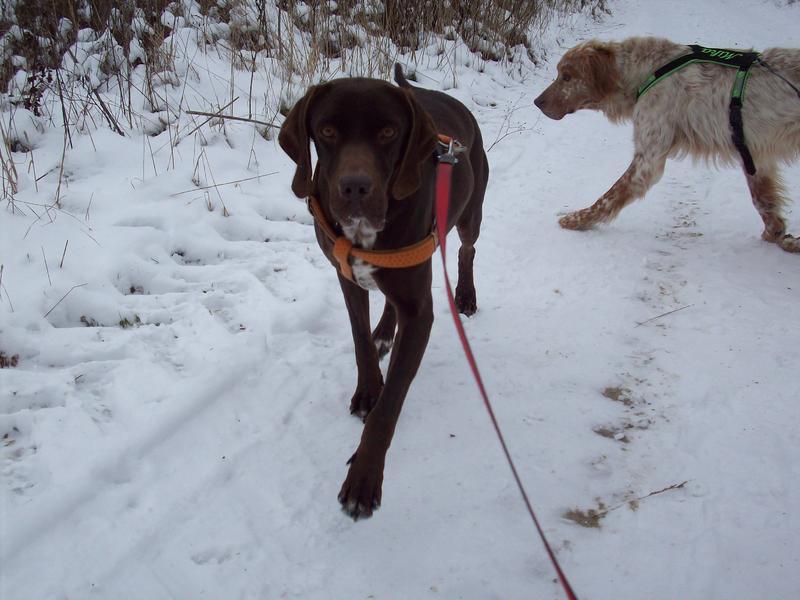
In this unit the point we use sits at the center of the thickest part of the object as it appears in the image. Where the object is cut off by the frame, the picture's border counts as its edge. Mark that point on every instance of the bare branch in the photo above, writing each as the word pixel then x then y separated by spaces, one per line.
pixel 215 115
pixel 663 314
pixel 216 185
pixel 62 298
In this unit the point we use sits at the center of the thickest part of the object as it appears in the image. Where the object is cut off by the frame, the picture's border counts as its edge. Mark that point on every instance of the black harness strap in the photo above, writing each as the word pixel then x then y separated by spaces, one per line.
pixel 742 61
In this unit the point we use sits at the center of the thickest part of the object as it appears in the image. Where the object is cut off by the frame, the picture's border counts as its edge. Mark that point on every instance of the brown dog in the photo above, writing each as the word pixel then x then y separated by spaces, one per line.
pixel 685 113
pixel 374 180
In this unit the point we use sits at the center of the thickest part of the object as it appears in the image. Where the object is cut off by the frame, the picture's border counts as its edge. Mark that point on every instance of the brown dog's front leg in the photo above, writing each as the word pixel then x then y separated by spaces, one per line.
pixel 370 381
pixel 383 334
pixel 361 491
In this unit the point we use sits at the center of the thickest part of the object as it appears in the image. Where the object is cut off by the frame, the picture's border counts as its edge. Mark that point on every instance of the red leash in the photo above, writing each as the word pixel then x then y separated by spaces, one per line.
pixel 444 173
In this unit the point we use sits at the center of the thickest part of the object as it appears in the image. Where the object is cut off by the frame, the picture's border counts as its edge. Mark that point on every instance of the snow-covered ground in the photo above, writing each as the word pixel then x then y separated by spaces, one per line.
pixel 177 425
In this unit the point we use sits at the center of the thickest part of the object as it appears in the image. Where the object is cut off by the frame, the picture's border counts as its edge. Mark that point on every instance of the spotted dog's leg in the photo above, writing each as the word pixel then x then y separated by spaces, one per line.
pixel 644 171
pixel 652 141
pixel 769 196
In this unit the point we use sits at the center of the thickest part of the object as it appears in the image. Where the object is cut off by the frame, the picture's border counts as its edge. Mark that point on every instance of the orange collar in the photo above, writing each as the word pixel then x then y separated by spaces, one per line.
pixel 343 249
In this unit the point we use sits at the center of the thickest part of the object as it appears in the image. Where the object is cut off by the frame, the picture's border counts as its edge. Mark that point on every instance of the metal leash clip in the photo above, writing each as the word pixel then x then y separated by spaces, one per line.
pixel 453 147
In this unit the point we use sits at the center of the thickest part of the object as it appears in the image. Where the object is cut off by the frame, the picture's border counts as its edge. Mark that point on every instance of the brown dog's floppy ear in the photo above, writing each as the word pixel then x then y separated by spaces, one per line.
pixel 420 146
pixel 294 140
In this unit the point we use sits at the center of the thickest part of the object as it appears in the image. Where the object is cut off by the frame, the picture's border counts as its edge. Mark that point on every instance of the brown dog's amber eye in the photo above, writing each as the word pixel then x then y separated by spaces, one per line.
pixel 387 133
pixel 566 76
pixel 328 132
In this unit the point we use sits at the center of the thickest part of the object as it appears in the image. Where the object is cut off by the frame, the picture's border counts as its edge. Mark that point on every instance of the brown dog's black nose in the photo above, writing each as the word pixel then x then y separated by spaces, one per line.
pixel 355 187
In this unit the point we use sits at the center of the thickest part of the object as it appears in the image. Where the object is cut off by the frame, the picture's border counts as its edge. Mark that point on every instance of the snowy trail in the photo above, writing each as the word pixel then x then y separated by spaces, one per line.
pixel 198 451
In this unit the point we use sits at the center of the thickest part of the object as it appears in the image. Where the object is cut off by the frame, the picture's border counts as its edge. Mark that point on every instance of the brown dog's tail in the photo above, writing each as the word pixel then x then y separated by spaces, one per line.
pixel 399 78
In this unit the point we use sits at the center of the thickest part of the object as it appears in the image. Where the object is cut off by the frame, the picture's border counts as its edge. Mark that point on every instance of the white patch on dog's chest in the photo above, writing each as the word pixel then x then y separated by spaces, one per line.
pixel 363 235
pixel 362 274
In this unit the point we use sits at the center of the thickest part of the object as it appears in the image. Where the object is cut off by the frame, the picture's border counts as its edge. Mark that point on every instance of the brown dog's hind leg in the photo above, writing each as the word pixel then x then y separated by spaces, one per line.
pixel 466 302
pixel 383 334
pixel 769 196
pixel 370 380
pixel 469 228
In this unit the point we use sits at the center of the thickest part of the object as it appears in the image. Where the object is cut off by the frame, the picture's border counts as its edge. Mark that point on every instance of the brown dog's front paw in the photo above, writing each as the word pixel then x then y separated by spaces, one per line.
pixel 361 491
pixel 364 399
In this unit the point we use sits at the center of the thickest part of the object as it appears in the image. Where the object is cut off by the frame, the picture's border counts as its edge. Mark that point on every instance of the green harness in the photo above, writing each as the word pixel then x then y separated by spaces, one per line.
pixel 742 61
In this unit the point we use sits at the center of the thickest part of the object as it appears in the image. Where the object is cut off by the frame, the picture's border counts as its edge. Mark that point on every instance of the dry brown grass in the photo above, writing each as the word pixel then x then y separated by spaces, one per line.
pixel 293 42
pixel 300 34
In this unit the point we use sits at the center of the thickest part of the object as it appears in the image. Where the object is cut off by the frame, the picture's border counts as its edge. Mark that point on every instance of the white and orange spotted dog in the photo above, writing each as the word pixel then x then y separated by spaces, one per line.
pixel 685 113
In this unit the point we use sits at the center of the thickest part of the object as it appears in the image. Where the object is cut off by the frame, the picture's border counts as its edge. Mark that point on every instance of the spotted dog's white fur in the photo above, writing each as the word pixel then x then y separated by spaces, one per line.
pixel 685 113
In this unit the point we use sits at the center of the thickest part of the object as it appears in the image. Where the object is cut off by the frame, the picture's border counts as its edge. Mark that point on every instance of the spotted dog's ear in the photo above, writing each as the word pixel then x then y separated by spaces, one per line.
pixel 600 64
pixel 419 147
pixel 294 140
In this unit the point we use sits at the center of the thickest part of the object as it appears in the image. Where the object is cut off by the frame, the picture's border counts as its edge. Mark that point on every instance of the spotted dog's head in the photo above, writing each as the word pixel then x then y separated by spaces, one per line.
pixel 587 75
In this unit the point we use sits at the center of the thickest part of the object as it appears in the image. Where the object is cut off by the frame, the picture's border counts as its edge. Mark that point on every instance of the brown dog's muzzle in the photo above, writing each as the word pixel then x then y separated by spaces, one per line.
pixel 357 192
pixel 356 188
pixel 357 197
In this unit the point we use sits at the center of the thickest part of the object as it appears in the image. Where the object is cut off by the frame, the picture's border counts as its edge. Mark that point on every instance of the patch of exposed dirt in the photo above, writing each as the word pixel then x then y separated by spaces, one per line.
pixel 7 362
pixel 618 394
pixel 612 434
pixel 590 517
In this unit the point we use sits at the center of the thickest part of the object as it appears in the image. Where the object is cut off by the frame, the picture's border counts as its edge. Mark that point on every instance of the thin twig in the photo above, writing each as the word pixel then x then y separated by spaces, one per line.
pixel 674 486
pixel 663 315
pixel 213 115
pixel 209 115
pixel 62 298
pixel 2 287
pixel 60 210
pixel 215 186
pixel 46 268
pixel 33 166
pixel 40 177
pixel 61 96
pixel 8 163
pixel 107 113
pixel 504 136
pixel 507 124
pixel 206 187
pixel 57 202
pixel 63 254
